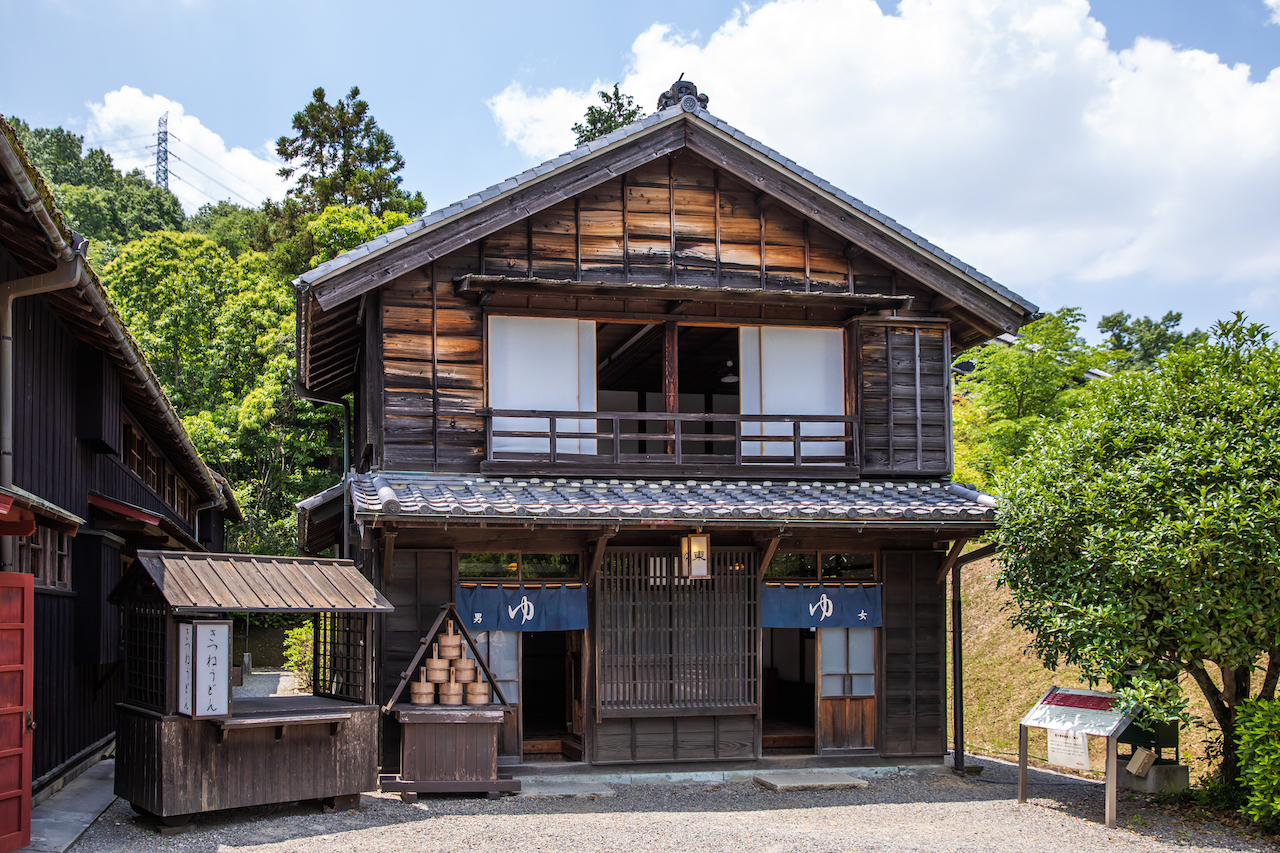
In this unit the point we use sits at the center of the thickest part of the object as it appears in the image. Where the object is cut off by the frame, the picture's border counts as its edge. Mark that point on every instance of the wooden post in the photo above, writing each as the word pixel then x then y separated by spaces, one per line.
pixel 1112 761
pixel 1022 764
pixel 671 374
pixel 957 675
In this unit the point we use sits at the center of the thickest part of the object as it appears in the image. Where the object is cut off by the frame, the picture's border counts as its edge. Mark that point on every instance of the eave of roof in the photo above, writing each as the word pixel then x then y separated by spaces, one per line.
pixel 248 583
pixel 496 193
pixel 409 495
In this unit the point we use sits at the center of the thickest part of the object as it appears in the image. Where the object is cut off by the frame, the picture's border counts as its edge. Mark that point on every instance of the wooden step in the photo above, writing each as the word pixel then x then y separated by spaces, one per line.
pixel 786 741
pixel 543 746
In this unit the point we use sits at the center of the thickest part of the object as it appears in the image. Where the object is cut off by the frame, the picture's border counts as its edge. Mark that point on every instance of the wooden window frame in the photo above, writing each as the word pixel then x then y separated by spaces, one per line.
pixel 818 555
pixel 519 577
pixel 46 554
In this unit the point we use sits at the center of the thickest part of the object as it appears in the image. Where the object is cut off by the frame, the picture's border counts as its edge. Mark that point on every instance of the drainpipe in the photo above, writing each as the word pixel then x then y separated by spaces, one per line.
pixel 66 274
pixel 302 393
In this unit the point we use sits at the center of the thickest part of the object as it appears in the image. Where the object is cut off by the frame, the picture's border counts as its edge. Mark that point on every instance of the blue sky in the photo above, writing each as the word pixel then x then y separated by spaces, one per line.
pixel 1112 155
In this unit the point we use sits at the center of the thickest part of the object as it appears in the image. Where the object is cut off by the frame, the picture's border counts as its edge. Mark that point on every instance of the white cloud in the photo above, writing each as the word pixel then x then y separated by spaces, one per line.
pixel 1274 5
pixel 1009 132
pixel 201 167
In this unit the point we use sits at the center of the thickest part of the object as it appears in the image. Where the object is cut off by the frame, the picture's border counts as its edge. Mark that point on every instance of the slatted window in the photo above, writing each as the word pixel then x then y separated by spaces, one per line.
pixel 144 659
pixel 339 657
pixel 140 458
pixel 47 555
pixel 675 645
pixel 905 400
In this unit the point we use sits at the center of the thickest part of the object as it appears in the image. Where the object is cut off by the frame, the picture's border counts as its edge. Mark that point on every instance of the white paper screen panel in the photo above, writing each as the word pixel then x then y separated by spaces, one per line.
pixel 547 364
pixel 792 370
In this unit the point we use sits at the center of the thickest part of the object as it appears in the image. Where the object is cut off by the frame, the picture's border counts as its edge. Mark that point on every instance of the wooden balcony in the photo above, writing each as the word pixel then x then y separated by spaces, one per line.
pixel 637 444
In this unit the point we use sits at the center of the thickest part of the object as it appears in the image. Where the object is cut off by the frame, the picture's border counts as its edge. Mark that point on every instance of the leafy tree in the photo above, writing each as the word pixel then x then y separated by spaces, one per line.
pixel 219 334
pixel 342 157
pixel 340 229
pixel 619 110
pixel 1016 387
pixel 236 229
pixel 59 154
pixel 1139 535
pixel 1137 344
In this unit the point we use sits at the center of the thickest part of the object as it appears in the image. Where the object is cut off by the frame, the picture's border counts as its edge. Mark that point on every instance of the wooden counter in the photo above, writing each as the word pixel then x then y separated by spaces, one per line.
pixel 271 750
pixel 448 748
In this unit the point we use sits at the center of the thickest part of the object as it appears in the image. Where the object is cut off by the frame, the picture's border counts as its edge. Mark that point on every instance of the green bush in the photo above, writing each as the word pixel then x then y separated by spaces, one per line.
pixel 298 646
pixel 1258 735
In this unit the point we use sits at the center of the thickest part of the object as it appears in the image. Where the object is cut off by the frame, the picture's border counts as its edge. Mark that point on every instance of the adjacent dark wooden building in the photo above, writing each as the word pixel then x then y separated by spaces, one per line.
pixel 95 465
pixel 677 369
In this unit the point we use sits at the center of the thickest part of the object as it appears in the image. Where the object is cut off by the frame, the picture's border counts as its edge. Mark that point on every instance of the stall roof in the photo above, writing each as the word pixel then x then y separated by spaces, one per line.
pixel 248 583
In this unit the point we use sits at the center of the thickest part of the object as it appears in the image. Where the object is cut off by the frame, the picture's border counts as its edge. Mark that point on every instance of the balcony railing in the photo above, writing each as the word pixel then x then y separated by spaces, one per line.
pixel 637 443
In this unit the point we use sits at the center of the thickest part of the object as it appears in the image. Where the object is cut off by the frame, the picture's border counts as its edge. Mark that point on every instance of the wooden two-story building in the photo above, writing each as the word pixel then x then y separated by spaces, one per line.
pixel 677 368
pixel 94 464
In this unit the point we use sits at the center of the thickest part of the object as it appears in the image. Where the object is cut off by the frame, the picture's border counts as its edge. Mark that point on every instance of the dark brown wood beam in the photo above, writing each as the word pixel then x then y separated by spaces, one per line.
pixel 769 551
pixel 952 556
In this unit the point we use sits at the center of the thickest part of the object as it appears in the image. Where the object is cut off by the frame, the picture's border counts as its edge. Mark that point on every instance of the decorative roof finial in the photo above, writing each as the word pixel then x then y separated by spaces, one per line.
pixel 685 94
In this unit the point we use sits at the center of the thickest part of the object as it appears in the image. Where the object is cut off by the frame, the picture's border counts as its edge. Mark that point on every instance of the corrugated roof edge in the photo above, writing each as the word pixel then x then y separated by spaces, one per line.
pixel 641 125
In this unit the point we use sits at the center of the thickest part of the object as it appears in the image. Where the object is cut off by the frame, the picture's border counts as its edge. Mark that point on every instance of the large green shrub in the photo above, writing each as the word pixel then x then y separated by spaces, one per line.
pixel 299 644
pixel 1258 731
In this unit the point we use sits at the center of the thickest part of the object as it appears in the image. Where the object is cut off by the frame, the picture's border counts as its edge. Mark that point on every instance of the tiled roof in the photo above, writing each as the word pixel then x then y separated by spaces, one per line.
pixel 699 501
pixel 633 129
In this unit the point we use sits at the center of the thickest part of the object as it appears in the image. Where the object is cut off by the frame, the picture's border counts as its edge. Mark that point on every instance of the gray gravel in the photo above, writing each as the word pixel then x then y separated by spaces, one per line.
pixel 897 811
pixel 267 682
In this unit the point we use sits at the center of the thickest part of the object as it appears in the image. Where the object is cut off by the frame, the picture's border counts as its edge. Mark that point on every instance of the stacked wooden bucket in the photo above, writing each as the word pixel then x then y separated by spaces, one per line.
pixel 458 678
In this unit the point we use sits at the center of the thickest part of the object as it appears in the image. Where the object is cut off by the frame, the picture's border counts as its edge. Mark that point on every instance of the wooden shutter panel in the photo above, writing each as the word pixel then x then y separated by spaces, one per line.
pixel 914 690
pixel 905 399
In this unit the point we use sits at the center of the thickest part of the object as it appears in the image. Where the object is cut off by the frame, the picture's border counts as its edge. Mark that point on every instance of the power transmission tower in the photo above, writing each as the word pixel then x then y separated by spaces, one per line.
pixel 162 152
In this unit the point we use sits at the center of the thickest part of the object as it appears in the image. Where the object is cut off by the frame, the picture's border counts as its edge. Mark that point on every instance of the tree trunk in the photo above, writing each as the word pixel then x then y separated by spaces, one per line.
pixel 1223 703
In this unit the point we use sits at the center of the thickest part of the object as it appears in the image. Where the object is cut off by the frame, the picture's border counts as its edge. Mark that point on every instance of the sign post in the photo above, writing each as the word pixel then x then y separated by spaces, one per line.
pixel 1075 714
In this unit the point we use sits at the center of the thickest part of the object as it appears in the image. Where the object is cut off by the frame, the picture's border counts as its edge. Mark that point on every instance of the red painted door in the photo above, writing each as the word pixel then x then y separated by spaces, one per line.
pixel 17 646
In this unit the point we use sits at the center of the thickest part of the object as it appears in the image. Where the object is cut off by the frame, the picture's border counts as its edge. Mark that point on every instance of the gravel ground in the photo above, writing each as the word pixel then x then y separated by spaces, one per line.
pixel 267 682
pixel 898 811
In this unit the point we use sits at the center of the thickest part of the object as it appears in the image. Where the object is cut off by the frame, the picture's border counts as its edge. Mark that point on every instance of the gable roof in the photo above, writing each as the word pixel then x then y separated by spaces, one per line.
pixel 686 125
pixel 247 583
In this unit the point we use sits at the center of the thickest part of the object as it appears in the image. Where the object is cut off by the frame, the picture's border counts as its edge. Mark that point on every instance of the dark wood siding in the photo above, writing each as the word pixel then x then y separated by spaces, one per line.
pixel 73 705
pixel 418 583
pixel 905 399
pixel 913 685
pixel 95 570
pixel 655 739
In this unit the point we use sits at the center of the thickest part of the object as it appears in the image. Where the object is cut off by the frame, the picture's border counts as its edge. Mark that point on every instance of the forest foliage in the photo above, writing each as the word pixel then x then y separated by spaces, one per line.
pixel 209 300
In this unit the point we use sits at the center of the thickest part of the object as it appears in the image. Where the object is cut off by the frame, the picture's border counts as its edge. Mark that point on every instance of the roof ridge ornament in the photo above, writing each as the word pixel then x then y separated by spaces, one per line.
pixel 684 93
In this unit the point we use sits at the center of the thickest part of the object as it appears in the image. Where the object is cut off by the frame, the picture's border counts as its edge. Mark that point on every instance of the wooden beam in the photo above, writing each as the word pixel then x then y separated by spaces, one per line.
pixel 977 554
pixel 952 556
pixel 597 557
pixel 769 551
pixel 388 554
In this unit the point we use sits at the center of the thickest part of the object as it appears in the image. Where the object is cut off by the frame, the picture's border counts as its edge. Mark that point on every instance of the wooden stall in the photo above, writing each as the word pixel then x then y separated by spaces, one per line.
pixel 186 745
pixel 452 746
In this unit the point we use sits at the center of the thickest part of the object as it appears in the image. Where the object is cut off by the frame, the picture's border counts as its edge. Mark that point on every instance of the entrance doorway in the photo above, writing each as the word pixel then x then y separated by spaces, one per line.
pixel 551 686
pixel 788 692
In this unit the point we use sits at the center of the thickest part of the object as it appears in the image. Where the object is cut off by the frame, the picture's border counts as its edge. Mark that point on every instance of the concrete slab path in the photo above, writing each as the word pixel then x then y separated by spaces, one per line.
pixel 59 821
pixel 812 781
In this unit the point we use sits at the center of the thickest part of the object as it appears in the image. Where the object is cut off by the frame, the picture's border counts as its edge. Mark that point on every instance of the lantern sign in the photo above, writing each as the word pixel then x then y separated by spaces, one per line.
pixel 204 669
pixel 695 556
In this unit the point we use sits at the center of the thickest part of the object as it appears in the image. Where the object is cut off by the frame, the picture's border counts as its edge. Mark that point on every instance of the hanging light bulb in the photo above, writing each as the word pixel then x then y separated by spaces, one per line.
pixel 729 374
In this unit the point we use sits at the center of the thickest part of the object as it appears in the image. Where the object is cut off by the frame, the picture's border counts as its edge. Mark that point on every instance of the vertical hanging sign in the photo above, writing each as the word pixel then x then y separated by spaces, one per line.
pixel 695 556
pixel 186 633
pixel 204 669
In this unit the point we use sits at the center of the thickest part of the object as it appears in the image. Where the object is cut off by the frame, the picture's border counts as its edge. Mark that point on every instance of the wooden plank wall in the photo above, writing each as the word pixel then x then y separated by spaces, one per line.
pixel 652 739
pixel 73 705
pixel 913 688
pixel 419 582
pixel 675 220
pixel 847 722
pixel 905 399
